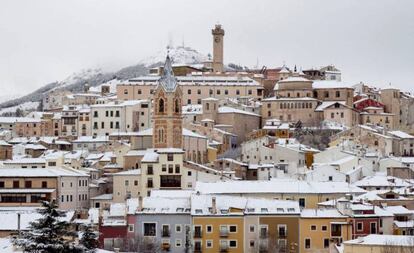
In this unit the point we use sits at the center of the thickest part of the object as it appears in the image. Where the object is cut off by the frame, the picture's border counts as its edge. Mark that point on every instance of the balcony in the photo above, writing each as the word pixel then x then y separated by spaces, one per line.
pixel 166 246
pixel 263 247
pixel 224 233
pixel 224 248
pixel 198 234
pixel 264 234
pixel 282 235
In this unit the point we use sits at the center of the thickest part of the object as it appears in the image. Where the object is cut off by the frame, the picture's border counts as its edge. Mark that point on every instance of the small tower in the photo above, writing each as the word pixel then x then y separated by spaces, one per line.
pixel 218 34
pixel 167 118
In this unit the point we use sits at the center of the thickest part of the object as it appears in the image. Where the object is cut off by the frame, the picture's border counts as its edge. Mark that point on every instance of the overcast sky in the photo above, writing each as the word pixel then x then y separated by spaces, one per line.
pixel 45 41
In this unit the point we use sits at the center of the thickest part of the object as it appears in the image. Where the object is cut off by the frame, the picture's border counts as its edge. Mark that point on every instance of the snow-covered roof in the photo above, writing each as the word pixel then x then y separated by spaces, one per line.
pixel 119 103
pixel 401 134
pixel 321 213
pixel 103 197
pixel 165 205
pixel 383 240
pixel 289 99
pixel 202 205
pixel 11 120
pixel 150 156
pixel 198 80
pixel 136 172
pixel 294 79
pixel 326 104
pixel 326 84
pixel 40 172
pixel 9 219
pixel 91 139
pixel 381 180
pixel 276 186
pixel 227 109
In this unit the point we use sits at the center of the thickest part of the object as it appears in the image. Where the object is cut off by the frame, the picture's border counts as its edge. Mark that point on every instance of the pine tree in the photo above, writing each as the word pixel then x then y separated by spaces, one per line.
pixel 49 234
pixel 89 239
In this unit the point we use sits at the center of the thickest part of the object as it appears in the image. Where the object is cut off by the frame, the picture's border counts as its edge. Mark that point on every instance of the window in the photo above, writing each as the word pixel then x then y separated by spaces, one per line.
pixel 330 178
pixel 359 226
pixel 178 228
pixel 126 182
pixel 282 231
pixel 226 92
pixel 150 170
pixel 209 229
pixel 136 182
pixel 302 202
pixel 165 231
pixel 313 227
pixel 189 92
pixel 249 92
pixel 237 92
pixel 44 184
pixel 252 228
pixel 177 168
pixel 161 106
pixel 28 184
pixel 233 229
pixel 209 243
pixel 164 168
pixel 1 184
pixel 170 168
pixel 149 229
pixel 324 228
pixel 170 157
pixel 178 243
pixel 189 173
pixel 251 243
pixel 307 243
pixel 326 243
pixel 337 94
pixel 130 227
pixel 16 184
pixel 233 244
pixel 199 92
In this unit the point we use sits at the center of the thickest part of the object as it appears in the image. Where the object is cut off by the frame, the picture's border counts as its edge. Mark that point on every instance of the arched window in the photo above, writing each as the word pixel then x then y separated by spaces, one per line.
pixel 161 105
pixel 177 106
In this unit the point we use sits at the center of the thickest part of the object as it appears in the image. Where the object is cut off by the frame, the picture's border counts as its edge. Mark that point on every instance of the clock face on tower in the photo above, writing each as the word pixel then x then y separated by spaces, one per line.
pixel 217 39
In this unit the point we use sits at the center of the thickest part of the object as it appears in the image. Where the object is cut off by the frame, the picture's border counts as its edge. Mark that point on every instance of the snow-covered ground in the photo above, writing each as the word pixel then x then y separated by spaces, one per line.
pixel 27 106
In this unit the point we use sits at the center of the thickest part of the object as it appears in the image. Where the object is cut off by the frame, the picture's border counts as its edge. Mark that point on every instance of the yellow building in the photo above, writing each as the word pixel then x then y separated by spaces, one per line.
pixel 320 229
pixel 218 224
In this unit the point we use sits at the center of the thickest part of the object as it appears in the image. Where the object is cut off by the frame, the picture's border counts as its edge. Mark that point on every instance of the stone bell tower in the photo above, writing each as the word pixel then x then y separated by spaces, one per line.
pixel 167 117
pixel 218 34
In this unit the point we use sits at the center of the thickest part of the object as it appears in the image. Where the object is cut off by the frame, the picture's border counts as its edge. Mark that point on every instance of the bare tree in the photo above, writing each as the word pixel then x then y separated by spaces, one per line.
pixel 142 245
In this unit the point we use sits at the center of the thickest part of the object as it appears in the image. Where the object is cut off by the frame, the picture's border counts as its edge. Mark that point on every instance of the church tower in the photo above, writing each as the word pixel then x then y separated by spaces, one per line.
pixel 167 118
pixel 218 34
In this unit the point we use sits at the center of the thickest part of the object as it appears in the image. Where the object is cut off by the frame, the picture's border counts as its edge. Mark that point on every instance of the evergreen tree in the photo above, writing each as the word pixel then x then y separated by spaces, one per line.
pixel 89 239
pixel 49 234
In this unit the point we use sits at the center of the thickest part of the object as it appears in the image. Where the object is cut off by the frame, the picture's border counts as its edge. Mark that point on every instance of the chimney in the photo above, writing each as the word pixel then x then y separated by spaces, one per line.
pixel 213 205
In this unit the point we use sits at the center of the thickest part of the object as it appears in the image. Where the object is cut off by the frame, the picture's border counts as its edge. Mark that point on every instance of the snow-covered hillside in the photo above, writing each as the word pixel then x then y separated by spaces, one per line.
pixel 96 76
pixel 179 55
pixel 27 106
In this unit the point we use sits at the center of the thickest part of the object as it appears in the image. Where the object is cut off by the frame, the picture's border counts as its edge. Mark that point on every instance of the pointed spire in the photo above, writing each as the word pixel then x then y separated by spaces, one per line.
pixel 168 80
